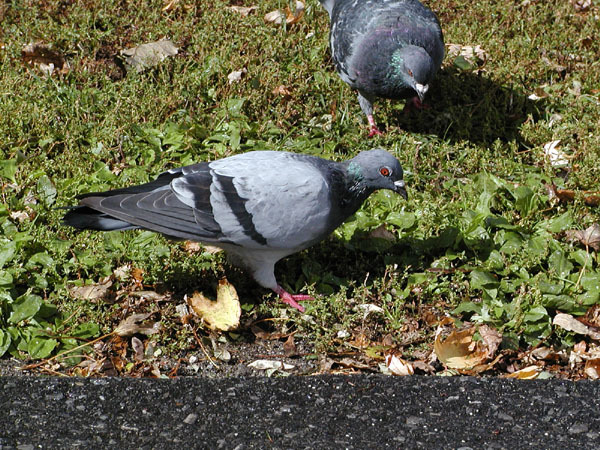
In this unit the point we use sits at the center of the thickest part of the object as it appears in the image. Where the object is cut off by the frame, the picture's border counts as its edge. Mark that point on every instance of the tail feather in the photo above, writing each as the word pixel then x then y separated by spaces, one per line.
pixel 84 218
pixel 163 181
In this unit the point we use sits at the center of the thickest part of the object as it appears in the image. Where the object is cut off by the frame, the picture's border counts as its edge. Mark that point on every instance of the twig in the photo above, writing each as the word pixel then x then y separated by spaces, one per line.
pixel 204 349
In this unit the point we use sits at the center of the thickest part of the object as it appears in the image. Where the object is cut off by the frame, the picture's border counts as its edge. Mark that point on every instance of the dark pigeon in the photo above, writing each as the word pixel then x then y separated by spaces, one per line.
pixel 385 48
pixel 259 206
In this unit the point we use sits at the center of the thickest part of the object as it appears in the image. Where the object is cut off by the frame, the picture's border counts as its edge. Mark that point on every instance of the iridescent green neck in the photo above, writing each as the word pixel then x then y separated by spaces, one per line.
pixel 355 171
pixel 397 62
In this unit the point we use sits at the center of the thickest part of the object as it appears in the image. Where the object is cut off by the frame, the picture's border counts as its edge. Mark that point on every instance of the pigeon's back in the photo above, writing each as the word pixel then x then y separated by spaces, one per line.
pixel 365 34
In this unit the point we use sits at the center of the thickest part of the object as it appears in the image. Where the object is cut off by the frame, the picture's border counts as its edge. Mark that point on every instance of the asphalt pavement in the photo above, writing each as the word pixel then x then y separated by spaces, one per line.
pixel 315 412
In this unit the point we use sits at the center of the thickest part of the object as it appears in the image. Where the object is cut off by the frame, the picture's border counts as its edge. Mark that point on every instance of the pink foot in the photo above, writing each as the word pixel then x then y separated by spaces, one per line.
pixel 373 127
pixel 415 103
pixel 290 299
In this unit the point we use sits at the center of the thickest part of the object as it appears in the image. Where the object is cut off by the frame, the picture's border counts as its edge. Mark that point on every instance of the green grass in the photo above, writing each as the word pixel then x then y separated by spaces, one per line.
pixel 478 236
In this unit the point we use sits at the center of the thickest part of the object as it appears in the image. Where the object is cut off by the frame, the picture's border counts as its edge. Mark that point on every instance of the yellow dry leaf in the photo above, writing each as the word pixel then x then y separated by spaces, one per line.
pixel 222 314
pixel 459 351
pixel 294 17
pixel 398 366
pixel 527 373
pixel 277 17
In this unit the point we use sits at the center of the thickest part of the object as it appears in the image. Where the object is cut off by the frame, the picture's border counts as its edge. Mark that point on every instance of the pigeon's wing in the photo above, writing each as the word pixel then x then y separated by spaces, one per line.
pixel 156 206
pixel 275 199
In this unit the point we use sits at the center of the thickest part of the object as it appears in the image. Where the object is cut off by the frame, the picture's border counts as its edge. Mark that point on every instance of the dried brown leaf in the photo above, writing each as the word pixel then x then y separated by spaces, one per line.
pixel 283 91
pixel 538 94
pixel 222 314
pixel 570 323
pixel 397 366
pixel 135 324
pixel 138 349
pixel 137 275
pixel 243 10
pixel 580 347
pixel 19 216
pixel 562 195
pixel 95 291
pixel 581 5
pixel 44 58
pixel 289 347
pixel 592 316
pixel 296 15
pixel 236 75
pixel 459 351
pixel 475 55
pixel 492 339
pixel 192 247
pixel 196 247
pixel 268 364
pixel 277 17
pixel 590 198
pixel 122 273
pixel 557 157
pixel 170 5
pixel 381 232
pixel 149 295
pixel 592 369
pixel 351 363
pixel 543 353
pixel 148 55
pixel 423 366
pixel 590 237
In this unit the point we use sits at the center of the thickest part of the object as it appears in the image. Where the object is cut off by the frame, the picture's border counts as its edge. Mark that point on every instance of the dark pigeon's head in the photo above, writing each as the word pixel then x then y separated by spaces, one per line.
pixel 416 68
pixel 378 169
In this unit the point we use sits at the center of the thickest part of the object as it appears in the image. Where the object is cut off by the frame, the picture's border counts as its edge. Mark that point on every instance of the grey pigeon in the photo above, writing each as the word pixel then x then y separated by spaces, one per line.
pixel 385 48
pixel 259 206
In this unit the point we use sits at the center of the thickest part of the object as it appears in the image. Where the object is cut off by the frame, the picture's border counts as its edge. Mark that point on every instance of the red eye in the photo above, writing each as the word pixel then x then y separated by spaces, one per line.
pixel 384 171
pixel 410 72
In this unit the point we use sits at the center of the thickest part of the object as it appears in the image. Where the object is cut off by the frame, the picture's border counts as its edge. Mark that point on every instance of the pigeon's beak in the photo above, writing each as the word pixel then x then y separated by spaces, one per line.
pixel 400 188
pixel 421 90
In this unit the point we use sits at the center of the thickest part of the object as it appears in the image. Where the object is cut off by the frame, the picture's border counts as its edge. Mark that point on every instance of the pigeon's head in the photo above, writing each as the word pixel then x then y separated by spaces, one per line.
pixel 416 68
pixel 378 169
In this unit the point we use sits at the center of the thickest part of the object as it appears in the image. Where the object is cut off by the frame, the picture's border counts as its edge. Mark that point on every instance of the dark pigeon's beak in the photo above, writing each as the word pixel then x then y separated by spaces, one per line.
pixel 421 90
pixel 400 188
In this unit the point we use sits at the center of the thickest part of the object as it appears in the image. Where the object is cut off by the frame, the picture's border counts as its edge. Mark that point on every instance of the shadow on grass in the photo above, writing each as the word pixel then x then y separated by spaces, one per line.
pixel 327 266
pixel 468 106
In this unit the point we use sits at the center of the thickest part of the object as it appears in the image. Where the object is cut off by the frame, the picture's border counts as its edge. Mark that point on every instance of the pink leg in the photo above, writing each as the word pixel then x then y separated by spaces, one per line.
pixel 415 103
pixel 373 126
pixel 290 299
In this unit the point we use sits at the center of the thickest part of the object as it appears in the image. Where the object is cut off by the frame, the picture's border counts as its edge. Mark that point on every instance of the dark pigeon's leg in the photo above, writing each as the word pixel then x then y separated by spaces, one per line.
pixel 366 105
pixel 290 299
